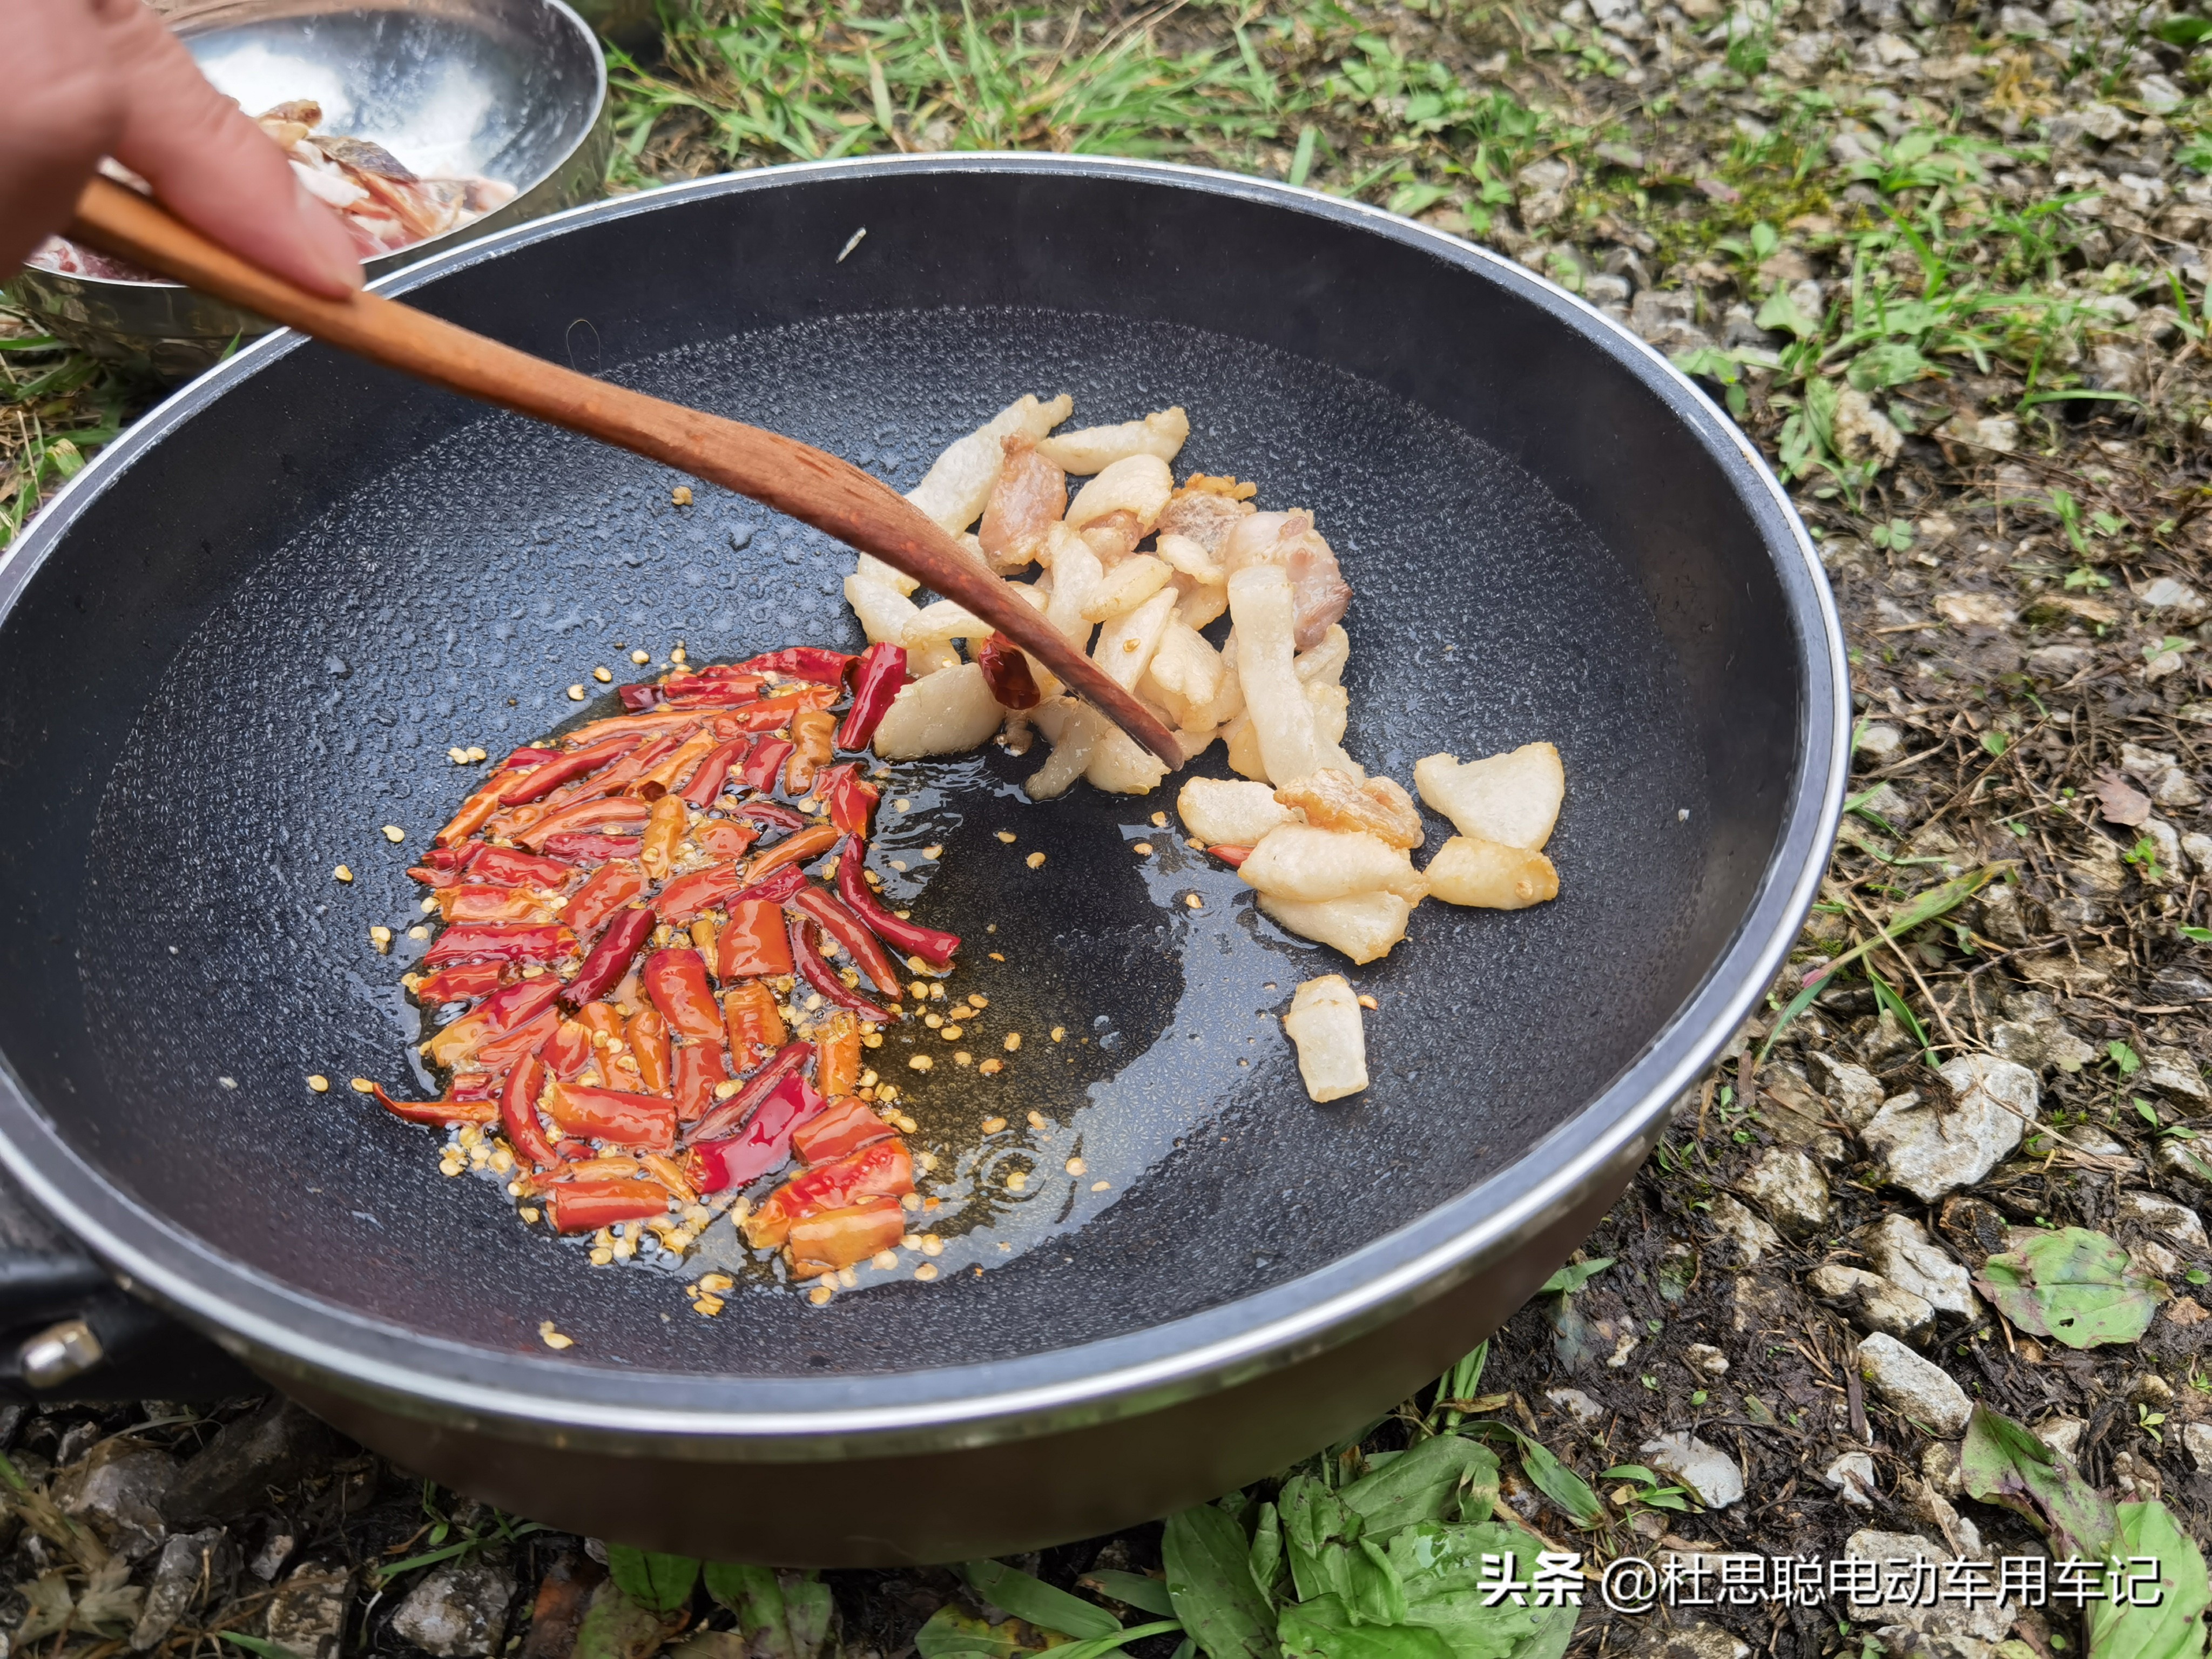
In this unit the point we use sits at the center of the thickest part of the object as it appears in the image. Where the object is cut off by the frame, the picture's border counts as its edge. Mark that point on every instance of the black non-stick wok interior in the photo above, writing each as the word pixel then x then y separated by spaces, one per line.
pixel 257 647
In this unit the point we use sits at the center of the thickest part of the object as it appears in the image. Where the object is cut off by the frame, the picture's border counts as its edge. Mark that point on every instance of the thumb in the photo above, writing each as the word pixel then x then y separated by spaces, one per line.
pixel 214 167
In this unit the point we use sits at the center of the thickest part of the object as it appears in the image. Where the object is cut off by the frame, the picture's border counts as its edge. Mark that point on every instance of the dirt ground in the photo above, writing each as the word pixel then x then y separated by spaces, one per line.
pixel 1948 269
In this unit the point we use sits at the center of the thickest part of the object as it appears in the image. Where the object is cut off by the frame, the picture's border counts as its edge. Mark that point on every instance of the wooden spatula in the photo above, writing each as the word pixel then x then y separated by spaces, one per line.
pixel 792 477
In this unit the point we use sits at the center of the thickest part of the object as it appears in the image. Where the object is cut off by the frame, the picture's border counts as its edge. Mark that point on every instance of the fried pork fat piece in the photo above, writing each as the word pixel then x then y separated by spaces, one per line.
pixel 1504 808
pixel 1332 1042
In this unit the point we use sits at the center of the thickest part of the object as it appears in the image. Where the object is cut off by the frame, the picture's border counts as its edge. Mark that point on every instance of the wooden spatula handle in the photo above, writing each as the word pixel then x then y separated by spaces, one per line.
pixel 794 478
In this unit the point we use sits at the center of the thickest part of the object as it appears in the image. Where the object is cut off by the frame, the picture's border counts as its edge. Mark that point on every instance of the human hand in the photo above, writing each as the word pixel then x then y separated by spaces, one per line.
pixel 90 78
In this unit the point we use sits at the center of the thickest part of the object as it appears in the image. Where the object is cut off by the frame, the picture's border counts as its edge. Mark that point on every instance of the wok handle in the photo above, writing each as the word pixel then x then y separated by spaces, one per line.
pixel 807 483
pixel 69 1332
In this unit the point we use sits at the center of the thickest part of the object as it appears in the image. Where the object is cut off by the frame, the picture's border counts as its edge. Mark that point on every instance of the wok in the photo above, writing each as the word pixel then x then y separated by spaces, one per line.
pixel 246 636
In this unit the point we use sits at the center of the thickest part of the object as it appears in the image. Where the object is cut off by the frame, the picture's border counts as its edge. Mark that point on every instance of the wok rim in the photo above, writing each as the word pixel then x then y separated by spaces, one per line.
pixel 285 1331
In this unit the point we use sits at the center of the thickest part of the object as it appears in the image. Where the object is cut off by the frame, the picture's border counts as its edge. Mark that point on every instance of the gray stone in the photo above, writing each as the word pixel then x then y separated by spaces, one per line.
pixel 1903 1253
pixel 1695 1639
pixel 1790 1187
pixel 2162 774
pixel 2183 1158
pixel 1752 1237
pixel 1930 1153
pixel 1939 1468
pixel 117 1489
pixel 1710 1474
pixel 2173 1072
pixel 1945 1623
pixel 1852 1476
pixel 1578 1405
pixel 2196 1441
pixel 190 1562
pixel 1911 1386
pixel 1853 1092
pixel 1873 1303
pixel 2062 1434
pixel 1706 1360
pixel 1923 1502
pixel 1879 741
pixel 276 1550
pixel 236 1471
pixel 2105 123
pixel 2168 594
pixel 2059 662
pixel 2176 1223
pixel 459 1610
pixel 307 1613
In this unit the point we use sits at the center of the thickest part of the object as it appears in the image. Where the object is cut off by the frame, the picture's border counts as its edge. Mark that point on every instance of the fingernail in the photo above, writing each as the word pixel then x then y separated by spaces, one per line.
pixel 329 245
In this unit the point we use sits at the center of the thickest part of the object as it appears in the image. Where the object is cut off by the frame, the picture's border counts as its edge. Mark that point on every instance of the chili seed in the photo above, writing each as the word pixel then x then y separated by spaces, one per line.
pixel 932 852
pixel 926 1271
pixel 884 1261
pixel 1037 1121
pixel 1036 860
pixel 419 932
pixel 341 874
pixel 1058 1032
pixel 993 1125
pixel 394 834
pixel 1076 1166
pixel 361 1085
pixel 1102 1186
pixel 602 675
pixel 1007 836
pixel 931 1244
pixel 1193 901
pixel 1144 848
pixel 551 1338
pixel 820 1295
pixel 529 1213
pixel 992 1067
pixel 1366 1001
pixel 921 1062
pixel 1159 820
pixel 1016 1181
pixel 318 1083
pixel 1013 1041
pixel 640 658
pixel 575 694
pixel 680 494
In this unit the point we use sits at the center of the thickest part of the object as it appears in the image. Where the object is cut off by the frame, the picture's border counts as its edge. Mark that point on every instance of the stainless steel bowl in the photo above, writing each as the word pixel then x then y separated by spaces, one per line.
pixel 513 89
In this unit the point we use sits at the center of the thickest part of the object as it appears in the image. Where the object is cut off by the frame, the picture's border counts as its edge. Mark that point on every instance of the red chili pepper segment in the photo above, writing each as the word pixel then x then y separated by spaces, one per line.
pixel 822 908
pixel 730 1113
pixel 519 943
pixel 885 1170
pixel 823 977
pixel 1007 672
pixel 927 943
pixel 877 679
pixel 611 957
pixel 543 779
pixel 1231 856
pixel 800 662
pixel 838 1239
pixel 460 983
pixel 613 1115
pixel 448 1110
pixel 675 979
pixel 763 1145
pixel 845 1126
pixel 584 1207
pixel 517 1115
pixel 764 765
pixel 706 782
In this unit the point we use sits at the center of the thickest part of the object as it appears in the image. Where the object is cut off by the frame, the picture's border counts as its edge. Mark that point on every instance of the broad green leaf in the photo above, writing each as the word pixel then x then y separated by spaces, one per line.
pixel 1442 1569
pixel 1038 1602
pixel 1550 1476
pixel 1887 363
pixel 1209 1567
pixel 1133 1589
pixel 951 1632
pixel 1324 1628
pixel 2125 1626
pixel 1782 312
pixel 615 1626
pixel 783 1615
pixel 2001 1463
pixel 1449 1478
pixel 1572 1277
pixel 2183 32
pixel 1377 1594
pixel 2072 1285
pixel 1099 1647
pixel 1268 1551
pixel 660 1583
pixel 1317 1525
